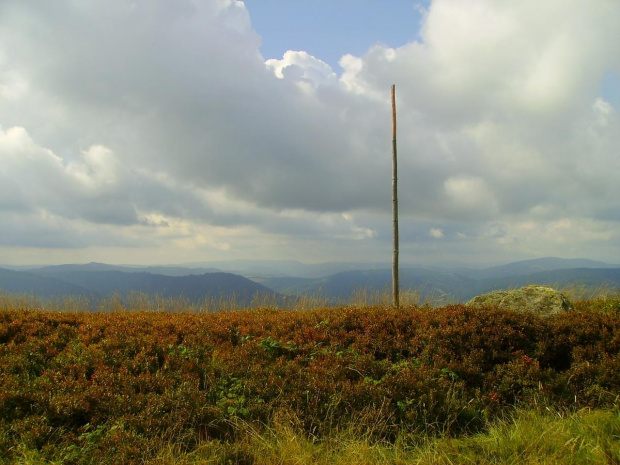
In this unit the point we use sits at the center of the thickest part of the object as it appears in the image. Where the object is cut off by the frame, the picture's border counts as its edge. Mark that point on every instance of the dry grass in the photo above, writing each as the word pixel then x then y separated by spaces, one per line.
pixel 529 437
pixel 580 292
pixel 362 297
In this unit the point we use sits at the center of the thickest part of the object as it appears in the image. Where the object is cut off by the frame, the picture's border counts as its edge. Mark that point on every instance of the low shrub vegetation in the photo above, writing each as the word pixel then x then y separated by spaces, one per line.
pixel 313 386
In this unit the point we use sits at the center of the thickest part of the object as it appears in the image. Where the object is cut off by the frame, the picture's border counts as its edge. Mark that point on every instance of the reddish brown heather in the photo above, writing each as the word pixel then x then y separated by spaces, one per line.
pixel 126 383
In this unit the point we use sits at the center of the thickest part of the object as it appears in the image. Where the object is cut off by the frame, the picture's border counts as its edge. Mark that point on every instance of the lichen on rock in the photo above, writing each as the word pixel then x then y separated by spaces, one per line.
pixel 541 300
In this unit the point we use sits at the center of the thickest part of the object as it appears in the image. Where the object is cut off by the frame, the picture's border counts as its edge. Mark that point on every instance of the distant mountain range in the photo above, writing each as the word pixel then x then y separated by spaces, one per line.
pixel 96 281
pixel 337 282
pixel 533 266
pixel 445 286
pixel 286 268
pixel 20 282
pixel 291 268
pixel 456 284
pixel 94 266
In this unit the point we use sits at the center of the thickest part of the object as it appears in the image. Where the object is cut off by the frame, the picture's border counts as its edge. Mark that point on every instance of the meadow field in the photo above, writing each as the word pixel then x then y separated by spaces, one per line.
pixel 347 385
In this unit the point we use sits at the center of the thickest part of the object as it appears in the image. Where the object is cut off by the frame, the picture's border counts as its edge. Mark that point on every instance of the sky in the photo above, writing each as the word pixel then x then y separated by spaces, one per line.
pixel 175 131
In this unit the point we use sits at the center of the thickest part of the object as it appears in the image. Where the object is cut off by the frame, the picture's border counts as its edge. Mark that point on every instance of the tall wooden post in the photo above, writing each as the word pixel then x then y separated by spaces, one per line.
pixel 395 284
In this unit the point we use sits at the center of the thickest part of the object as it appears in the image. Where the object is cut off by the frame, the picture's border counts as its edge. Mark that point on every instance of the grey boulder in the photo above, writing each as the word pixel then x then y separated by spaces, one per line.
pixel 541 300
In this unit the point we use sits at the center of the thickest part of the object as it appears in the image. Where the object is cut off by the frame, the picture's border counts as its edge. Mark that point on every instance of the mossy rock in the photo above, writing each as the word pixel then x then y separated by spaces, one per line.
pixel 541 300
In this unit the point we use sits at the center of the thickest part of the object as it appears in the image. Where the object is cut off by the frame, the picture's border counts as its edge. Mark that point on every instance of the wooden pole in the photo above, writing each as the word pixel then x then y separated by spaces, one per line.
pixel 395 284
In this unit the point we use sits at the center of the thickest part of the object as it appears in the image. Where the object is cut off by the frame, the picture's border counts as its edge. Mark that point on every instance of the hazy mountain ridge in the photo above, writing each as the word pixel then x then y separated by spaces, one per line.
pixel 587 277
pixel 450 286
pixel 341 286
pixel 294 269
pixel 526 267
pixel 66 281
pixel 286 268
pixel 96 280
pixel 94 266
pixel 22 282
pixel 459 284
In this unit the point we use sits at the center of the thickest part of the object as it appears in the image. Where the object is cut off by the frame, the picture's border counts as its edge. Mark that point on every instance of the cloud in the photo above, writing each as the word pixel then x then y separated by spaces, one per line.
pixel 470 198
pixel 34 177
pixel 162 123
pixel 436 233
pixel 309 68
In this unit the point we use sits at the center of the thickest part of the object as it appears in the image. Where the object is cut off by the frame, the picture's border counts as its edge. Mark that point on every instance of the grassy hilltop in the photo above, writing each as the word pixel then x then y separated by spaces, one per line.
pixel 335 385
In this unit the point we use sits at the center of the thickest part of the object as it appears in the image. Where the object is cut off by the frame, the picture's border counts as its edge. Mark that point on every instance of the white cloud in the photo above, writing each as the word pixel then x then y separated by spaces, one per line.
pixel 301 65
pixel 436 233
pixel 469 198
pixel 34 178
pixel 162 123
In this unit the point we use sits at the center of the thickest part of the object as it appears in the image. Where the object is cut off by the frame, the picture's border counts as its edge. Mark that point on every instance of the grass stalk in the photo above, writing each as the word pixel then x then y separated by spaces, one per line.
pixel 528 437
